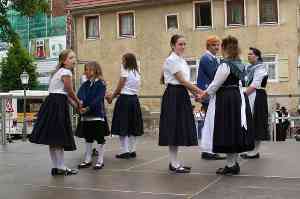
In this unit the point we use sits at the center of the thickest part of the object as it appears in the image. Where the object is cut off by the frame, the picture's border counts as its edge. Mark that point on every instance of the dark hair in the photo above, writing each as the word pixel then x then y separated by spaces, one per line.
pixel 129 62
pixel 230 44
pixel 257 53
pixel 174 40
pixel 97 69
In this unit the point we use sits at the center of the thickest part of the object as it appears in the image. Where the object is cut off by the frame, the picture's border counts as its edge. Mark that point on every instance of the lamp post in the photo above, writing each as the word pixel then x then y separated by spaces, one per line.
pixel 24 79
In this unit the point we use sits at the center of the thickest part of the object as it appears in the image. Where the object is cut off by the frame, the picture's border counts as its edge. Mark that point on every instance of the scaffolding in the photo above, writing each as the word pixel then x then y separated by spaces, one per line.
pixel 37 26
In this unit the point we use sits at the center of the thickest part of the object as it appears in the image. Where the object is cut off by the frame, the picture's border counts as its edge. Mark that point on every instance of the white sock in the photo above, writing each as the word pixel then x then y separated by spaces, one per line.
pixel 256 149
pixel 60 158
pixel 88 152
pixel 231 159
pixel 132 144
pixel 173 152
pixel 124 144
pixel 53 156
pixel 100 149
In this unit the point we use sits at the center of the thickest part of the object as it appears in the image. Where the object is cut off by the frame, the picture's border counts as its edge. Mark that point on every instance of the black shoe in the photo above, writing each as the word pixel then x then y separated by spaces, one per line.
pixel 95 152
pixel 84 165
pixel 246 156
pixel 98 166
pixel 66 172
pixel 133 154
pixel 211 156
pixel 235 170
pixel 54 171
pixel 123 156
pixel 180 169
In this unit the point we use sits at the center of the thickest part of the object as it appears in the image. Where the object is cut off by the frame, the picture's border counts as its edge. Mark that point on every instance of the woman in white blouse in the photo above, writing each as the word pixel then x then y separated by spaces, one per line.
pixel 177 125
pixel 256 82
pixel 127 120
pixel 228 123
pixel 53 125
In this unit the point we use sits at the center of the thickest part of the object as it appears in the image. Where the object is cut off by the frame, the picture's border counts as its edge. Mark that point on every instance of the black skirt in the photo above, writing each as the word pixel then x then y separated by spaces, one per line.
pixel 177 124
pixel 127 117
pixel 53 125
pixel 229 136
pixel 92 131
pixel 260 115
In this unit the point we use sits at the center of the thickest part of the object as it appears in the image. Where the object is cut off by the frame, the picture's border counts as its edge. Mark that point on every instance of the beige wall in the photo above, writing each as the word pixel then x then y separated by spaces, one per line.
pixel 151 44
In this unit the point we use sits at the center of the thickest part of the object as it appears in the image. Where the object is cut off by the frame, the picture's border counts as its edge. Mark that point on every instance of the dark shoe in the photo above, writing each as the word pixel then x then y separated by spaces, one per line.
pixel 180 169
pixel 133 154
pixel 246 156
pixel 84 165
pixel 235 170
pixel 98 166
pixel 54 171
pixel 95 152
pixel 66 172
pixel 123 156
pixel 212 156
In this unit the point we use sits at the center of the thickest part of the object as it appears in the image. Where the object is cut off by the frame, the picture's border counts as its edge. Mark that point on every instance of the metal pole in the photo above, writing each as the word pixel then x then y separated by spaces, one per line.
pixel 24 130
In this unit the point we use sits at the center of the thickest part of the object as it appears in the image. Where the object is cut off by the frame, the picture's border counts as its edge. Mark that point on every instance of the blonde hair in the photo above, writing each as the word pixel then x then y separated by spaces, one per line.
pixel 97 69
pixel 61 59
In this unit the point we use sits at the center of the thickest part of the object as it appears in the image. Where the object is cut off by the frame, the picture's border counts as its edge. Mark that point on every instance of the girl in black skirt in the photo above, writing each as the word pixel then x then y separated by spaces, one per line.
pixel 177 124
pixel 127 119
pixel 93 125
pixel 53 125
pixel 256 82
pixel 228 124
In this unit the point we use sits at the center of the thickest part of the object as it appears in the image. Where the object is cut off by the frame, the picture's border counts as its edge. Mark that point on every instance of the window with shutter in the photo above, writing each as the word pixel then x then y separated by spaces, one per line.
pixel 268 11
pixel 235 12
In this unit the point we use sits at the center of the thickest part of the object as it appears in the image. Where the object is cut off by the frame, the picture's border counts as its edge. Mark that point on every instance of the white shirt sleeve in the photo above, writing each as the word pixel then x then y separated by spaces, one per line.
pixel 220 77
pixel 259 74
pixel 66 72
pixel 124 72
pixel 173 66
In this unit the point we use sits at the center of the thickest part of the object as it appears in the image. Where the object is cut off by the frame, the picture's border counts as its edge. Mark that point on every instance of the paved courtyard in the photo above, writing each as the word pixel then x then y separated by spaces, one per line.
pixel 24 174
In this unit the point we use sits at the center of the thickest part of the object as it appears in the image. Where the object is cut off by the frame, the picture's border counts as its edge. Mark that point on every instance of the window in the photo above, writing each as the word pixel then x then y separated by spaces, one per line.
pixel 272 62
pixel 193 64
pixel 235 10
pixel 172 22
pixel 268 11
pixel 126 24
pixel 92 26
pixel 203 14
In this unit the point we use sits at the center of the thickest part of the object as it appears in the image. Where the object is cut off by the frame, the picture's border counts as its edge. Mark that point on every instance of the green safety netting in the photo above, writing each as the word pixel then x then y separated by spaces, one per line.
pixel 38 26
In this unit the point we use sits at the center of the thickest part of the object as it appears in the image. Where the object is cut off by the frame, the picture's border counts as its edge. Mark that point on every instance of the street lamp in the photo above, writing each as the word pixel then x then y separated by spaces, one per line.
pixel 24 79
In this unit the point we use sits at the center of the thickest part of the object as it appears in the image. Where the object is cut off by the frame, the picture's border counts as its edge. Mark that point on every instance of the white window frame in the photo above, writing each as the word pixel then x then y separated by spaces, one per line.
pixel 166 21
pixel 235 25
pixel 276 62
pixel 212 15
pixel 118 25
pixel 84 27
pixel 268 23
pixel 193 66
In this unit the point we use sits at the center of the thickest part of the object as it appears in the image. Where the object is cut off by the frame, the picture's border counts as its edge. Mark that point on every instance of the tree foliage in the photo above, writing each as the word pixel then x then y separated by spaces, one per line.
pixel 16 62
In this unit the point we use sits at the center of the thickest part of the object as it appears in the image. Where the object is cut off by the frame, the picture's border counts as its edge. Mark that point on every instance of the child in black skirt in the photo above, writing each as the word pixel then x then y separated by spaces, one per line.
pixel 53 125
pixel 93 124
pixel 177 124
pixel 127 119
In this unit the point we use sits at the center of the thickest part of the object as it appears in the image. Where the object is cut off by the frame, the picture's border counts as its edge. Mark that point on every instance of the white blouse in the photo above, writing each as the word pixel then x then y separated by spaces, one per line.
pixel 133 81
pixel 172 65
pixel 260 72
pixel 56 84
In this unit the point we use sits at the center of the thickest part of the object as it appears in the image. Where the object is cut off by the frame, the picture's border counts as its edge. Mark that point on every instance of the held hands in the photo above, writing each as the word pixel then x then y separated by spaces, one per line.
pixel 200 96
